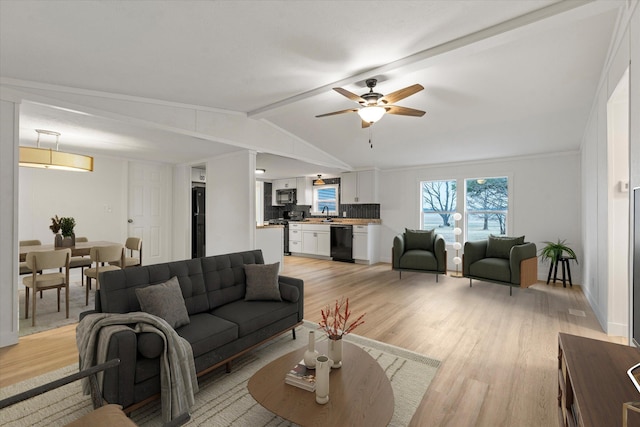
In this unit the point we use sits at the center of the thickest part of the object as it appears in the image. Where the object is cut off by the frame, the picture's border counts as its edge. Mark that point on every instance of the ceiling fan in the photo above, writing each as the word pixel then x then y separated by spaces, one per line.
pixel 375 105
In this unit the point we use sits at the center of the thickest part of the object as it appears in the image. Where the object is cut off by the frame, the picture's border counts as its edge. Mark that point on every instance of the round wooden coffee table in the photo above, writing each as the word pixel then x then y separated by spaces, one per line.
pixel 360 393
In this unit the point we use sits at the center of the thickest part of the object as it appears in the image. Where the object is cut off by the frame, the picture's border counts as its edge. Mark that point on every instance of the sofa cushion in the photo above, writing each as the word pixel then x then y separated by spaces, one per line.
pixel 206 332
pixel 150 345
pixel 419 239
pixel 500 246
pixel 289 293
pixel 491 269
pixel 262 282
pixel 419 259
pixel 253 315
pixel 164 300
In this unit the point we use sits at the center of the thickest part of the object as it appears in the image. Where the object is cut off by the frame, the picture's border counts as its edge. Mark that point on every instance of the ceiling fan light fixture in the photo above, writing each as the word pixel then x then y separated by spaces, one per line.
pixel 371 114
pixel 318 181
pixel 48 158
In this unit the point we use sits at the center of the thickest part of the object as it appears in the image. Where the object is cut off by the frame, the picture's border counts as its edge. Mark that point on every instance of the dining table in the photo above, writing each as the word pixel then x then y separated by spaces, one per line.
pixel 79 249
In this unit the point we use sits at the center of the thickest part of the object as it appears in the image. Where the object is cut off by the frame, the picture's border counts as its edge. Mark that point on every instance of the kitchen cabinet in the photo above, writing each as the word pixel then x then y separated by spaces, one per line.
pixel 304 191
pixel 310 239
pixel 365 243
pixel 284 184
pixel 359 187
pixel 295 238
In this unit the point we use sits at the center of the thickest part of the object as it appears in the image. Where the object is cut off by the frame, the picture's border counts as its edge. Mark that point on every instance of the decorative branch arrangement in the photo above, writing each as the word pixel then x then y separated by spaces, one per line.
pixel 335 320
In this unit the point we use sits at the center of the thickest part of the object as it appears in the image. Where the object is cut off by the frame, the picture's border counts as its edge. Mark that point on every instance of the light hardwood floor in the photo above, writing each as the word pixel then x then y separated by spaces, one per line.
pixel 498 353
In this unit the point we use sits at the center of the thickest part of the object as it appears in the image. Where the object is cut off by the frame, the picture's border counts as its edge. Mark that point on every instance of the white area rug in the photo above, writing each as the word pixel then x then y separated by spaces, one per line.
pixel 223 399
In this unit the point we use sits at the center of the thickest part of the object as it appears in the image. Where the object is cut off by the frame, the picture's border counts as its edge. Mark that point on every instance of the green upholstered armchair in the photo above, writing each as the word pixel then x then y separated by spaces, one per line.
pixel 503 260
pixel 419 250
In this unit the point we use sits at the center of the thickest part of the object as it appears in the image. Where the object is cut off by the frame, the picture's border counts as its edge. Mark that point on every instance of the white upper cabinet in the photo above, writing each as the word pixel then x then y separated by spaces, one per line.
pixel 304 191
pixel 284 184
pixel 359 187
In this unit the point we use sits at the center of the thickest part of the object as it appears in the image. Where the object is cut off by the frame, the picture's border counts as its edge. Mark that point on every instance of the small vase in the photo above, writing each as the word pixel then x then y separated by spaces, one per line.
pixel 57 240
pixel 335 352
pixel 310 354
pixel 323 367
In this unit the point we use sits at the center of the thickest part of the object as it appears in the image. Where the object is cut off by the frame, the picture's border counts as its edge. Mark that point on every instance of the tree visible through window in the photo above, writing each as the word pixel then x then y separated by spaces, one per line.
pixel 438 207
pixel 487 204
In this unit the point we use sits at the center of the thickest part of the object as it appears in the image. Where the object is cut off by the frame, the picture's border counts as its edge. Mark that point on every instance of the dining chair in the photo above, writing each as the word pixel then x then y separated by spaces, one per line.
pixel 23 265
pixel 101 256
pixel 43 260
pixel 132 244
pixel 80 262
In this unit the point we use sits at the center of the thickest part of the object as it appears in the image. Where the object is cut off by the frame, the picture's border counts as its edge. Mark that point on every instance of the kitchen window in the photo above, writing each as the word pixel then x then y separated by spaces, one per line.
pixel 325 195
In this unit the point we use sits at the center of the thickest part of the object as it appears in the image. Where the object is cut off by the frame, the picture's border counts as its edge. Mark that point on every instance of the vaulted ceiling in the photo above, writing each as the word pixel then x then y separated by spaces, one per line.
pixel 502 79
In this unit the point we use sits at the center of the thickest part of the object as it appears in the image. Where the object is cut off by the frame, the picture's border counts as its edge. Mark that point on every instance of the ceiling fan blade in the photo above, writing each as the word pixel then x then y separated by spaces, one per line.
pixel 352 96
pixel 400 94
pixel 350 110
pixel 404 111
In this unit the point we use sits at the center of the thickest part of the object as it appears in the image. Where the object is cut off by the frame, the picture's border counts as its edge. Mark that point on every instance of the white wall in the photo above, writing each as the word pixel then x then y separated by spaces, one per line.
pixel 610 299
pixel 544 191
pixel 97 200
pixel 230 201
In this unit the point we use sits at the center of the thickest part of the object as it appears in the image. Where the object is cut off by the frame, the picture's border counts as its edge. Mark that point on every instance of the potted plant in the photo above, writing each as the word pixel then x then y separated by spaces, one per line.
pixel 67 224
pixel 553 251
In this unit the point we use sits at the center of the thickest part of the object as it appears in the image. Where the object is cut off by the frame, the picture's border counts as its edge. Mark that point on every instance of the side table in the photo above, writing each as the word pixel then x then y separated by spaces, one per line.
pixel 564 260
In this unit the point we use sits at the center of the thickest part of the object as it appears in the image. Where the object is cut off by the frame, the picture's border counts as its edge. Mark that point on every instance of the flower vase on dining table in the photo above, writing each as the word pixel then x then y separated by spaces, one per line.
pixel 335 351
pixel 57 240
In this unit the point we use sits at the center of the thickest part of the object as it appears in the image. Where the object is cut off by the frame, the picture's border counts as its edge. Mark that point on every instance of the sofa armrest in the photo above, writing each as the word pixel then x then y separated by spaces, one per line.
pixel 118 383
pixel 439 250
pixel 473 251
pixel 517 254
pixel 397 250
pixel 299 284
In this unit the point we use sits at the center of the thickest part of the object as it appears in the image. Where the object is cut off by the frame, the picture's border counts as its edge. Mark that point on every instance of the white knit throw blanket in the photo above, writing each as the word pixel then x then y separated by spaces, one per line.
pixel 177 368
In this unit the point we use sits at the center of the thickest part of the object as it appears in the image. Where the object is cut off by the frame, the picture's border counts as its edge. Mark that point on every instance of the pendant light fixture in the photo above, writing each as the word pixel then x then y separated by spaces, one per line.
pixel 48 158
pixel 318 181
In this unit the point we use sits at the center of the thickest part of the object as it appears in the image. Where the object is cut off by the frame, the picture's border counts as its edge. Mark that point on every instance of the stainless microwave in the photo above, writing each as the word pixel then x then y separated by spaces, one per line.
pixel 286 197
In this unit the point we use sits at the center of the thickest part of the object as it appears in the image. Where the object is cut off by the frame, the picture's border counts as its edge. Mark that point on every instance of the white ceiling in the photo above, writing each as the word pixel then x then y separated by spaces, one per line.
pixel 501 79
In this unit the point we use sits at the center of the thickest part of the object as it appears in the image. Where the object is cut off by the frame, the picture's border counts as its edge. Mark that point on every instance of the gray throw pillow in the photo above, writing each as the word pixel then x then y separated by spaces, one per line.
pixel 419 239
pixel 262 282
pixel 500 246
pixel 164 300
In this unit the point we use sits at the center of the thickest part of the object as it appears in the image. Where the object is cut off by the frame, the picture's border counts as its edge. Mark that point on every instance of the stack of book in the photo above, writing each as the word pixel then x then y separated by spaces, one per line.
pixel 302 377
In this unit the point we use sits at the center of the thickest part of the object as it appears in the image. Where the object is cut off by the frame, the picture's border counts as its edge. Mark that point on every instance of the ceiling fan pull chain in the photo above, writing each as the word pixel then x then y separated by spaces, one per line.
pixel 370 137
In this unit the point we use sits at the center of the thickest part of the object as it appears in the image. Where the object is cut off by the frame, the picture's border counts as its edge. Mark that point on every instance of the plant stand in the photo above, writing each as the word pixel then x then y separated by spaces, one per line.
pixel 564 260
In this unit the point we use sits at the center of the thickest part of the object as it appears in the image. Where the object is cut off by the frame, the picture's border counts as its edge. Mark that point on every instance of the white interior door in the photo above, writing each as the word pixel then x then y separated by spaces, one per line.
pixel 149 195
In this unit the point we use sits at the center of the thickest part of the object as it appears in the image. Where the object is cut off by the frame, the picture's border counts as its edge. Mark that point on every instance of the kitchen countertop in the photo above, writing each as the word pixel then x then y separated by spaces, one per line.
pixel 270 226
pixel 348 221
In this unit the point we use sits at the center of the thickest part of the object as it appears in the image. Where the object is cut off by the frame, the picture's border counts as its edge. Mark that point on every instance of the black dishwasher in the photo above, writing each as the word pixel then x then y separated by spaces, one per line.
pixel 342 242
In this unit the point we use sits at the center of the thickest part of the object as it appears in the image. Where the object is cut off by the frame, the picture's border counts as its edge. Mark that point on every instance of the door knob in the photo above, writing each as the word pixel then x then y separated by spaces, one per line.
pixel 130 221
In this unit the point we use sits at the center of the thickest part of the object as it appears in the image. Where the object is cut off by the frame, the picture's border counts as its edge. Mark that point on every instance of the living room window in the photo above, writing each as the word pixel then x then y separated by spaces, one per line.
pixel 438 207
pixel 325 195
pixel 487 206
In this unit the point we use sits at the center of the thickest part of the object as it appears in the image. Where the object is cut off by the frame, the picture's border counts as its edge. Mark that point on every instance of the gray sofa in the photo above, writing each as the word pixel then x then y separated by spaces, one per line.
pixel 222 324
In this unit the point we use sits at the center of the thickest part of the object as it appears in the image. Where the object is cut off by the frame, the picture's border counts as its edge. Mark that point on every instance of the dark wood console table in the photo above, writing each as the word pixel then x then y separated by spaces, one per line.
pixel 592 382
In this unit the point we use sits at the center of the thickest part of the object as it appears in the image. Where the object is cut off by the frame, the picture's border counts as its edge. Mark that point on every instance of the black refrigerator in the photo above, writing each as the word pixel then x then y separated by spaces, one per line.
pixel 198 222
